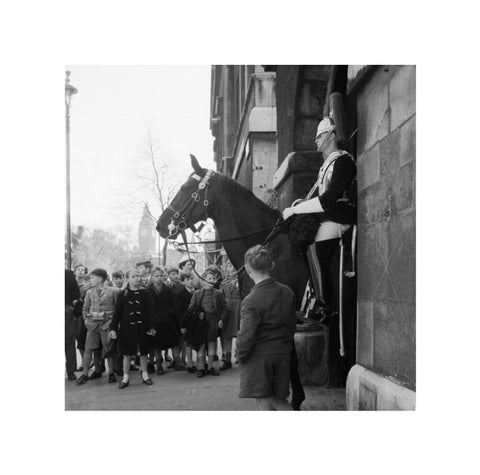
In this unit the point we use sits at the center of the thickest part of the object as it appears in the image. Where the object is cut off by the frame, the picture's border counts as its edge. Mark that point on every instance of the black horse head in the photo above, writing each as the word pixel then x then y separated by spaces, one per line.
pixel 188 207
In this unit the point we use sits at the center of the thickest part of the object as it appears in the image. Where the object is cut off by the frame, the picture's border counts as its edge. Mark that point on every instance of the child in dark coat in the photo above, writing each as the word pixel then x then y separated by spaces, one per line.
pixel 265 339
pixel 204 317
pixel 182 301
pixel 134 314
pixel 167 329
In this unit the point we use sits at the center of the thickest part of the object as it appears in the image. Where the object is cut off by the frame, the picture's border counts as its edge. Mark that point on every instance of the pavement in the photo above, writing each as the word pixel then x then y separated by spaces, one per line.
pixel 182 391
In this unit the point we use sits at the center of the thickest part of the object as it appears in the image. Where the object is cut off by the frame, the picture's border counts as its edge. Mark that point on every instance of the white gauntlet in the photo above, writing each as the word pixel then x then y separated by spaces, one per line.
pixel 310 206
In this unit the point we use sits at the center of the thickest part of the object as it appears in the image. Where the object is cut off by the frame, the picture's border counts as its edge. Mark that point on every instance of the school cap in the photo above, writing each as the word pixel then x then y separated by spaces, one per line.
pixel 144 263
pixel 184 260
pixel 102 273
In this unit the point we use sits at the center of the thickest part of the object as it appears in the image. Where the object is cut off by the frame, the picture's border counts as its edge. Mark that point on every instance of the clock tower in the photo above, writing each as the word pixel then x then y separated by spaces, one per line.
pixel 146 233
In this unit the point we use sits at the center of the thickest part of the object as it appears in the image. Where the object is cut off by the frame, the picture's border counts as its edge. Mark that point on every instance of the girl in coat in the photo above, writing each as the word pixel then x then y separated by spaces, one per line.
pixel 212 304
pixel 134 314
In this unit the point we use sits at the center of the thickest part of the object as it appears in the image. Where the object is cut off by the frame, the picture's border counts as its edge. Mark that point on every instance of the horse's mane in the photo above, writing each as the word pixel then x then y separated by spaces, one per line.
pixel 242 194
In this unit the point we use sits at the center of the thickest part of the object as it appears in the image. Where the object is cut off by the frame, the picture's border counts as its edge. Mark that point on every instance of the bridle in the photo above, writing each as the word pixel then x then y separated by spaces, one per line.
pixel 180 217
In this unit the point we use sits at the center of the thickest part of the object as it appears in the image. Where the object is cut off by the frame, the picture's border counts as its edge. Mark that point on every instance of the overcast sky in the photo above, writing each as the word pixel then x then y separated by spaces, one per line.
pixel 111 115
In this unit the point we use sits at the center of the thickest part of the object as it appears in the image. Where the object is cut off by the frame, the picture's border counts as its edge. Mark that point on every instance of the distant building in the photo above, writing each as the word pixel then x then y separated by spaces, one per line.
pixel 146 234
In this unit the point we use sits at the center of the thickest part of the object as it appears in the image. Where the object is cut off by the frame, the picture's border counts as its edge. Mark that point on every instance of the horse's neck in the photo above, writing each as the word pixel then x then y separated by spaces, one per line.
pixel 236 219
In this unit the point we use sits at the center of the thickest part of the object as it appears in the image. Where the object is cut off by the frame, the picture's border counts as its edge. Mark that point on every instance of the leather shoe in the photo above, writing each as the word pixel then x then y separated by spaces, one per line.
pixel 160 369
pixel 192 369
pixel 201 373
pixel 123 385
pixel 147 381
pixel 81 380
pixel 213 372
pixel 95 375
pixel 71 376
pixel 112 378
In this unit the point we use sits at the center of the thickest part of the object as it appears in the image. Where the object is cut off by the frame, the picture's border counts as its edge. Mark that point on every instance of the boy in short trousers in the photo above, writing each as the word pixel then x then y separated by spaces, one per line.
pixel 265 338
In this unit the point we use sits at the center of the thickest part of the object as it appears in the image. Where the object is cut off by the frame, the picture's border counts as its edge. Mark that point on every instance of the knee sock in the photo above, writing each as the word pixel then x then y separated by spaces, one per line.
pixel 126 368
pixel 201 361
pixel 87 357
pixel 211 356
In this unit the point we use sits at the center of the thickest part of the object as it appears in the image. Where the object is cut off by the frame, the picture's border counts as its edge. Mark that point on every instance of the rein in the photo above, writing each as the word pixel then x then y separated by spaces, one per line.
pixel 268 239
pixel 238 238
pixel 228 279
pixel 179 227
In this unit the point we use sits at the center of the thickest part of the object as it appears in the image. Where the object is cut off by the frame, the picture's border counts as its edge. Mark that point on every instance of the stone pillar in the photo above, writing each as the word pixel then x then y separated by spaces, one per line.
pixel 369 391
pixel 311 343
pixel 296 176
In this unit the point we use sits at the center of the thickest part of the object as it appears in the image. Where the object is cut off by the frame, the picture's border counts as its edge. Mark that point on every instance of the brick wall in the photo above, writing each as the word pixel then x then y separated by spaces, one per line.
pixel 386 222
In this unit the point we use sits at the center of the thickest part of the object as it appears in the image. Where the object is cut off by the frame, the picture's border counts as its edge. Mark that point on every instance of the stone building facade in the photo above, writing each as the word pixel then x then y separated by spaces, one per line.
pixel 243 123
pixel 264 120
pixel 385 376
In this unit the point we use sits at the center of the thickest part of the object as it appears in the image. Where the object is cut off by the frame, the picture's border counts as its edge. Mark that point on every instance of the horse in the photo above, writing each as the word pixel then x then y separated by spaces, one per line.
pixel 242 220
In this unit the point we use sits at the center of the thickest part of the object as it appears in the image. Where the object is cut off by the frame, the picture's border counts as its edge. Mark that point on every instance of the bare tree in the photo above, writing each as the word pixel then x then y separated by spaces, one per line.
pixel 103 248
pixel 153 174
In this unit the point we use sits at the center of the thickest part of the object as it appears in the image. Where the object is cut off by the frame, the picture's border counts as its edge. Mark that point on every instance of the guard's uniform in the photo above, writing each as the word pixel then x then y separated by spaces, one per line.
pixel 335 190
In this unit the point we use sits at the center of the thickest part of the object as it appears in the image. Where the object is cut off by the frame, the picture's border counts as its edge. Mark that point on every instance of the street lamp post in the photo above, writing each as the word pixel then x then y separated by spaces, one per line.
pixel 69 92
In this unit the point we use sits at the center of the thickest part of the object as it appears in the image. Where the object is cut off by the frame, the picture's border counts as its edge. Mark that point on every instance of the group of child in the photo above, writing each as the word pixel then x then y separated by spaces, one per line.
pixel 148 317
pixel 145 312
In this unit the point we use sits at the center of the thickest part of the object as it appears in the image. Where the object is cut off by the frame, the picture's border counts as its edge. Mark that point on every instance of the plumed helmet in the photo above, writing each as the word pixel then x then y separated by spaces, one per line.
pixel 325 125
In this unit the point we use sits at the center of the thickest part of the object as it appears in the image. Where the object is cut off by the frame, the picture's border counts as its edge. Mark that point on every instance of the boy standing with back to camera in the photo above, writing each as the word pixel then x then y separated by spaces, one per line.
pixel 265 338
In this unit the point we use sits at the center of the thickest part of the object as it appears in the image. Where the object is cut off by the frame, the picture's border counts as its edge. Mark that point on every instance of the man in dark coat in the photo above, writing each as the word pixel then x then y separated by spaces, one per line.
pixel 72 295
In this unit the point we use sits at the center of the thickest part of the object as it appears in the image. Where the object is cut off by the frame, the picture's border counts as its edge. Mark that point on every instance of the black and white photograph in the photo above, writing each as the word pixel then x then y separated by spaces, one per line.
pixel 240 237
pixel 259 276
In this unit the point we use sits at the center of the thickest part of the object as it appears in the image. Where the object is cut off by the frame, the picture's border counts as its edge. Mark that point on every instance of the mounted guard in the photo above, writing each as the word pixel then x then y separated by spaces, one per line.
pixel 331 204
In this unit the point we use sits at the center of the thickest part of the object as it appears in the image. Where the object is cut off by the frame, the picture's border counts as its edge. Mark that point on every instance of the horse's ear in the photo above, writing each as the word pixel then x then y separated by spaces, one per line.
pixel 196 166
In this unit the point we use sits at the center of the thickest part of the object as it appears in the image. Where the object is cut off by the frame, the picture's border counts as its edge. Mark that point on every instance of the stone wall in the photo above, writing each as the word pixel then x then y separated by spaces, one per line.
pixel 386 223
pixel 301 93
pixel 255 151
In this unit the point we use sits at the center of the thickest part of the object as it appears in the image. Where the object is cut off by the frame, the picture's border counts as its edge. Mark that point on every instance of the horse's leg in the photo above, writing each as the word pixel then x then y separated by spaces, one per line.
pixel 298 394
